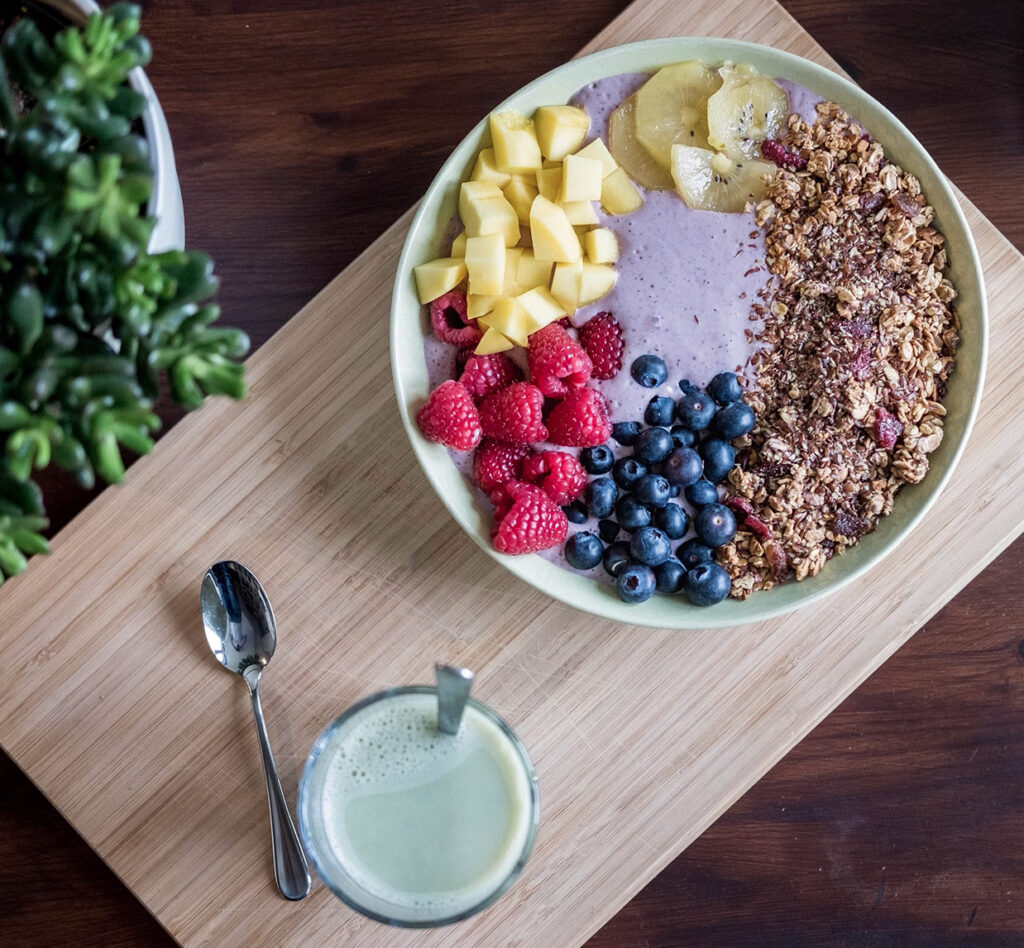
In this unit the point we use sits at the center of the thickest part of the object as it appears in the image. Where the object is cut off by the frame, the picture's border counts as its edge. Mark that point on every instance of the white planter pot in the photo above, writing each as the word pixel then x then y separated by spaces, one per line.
pixel 165 204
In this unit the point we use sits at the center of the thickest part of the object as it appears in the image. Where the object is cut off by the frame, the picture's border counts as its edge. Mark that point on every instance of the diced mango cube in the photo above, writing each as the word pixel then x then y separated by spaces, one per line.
pixel 478 304
pixel 618 193
pixel 509 318
pixel 601 245
pixel 485 263
pixel 560 129
pixel 596 279
pixel 459 245
pixel 515 143
pixel 436 277
pixel 580 213
pixel 553 236
pixel 520 192
pixel 492 341
pixel 565 284
pixel 486 170
pixel 598 150
pixel 581 179
pixel 541 308
pixel 484 210
pixel 510 285
pixel 532 272
pixel 477 191
pixel 549 182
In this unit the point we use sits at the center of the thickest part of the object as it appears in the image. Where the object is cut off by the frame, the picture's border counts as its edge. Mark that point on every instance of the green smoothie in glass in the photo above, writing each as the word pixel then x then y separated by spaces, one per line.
pixel 411 826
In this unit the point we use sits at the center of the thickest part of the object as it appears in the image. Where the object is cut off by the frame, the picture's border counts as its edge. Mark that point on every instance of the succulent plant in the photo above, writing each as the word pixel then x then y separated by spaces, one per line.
pixel 89 319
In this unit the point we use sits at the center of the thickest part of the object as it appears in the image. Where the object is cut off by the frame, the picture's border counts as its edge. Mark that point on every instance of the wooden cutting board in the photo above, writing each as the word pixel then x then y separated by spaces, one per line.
pixel 109 699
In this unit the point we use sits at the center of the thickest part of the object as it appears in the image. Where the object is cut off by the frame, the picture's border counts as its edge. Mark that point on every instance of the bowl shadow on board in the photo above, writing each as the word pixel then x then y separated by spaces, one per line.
pixel 439 204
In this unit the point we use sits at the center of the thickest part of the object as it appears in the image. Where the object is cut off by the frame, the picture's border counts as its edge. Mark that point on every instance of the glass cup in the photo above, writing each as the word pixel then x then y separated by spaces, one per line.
pixel 410 826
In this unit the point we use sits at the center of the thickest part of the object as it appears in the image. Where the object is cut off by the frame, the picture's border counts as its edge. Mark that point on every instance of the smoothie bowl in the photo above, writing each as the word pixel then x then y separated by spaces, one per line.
pixel 723 331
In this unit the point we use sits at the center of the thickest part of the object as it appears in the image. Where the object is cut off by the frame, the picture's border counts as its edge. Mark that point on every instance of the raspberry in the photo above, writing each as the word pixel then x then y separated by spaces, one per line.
pixel 580 419
pixel 515 414
pixel 886 429
pixel 775 151
pixel 497 462
pixel 557 361
pixel 448 317
pixel 526 519
pixel 484 374
pixel 558 474
pixel 601 337
pixel 450 417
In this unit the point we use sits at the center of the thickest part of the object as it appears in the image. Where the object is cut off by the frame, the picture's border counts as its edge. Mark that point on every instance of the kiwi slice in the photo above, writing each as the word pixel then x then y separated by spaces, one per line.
pixel 672 108
pixel 744 112
pixel 711 181
pixel 628 152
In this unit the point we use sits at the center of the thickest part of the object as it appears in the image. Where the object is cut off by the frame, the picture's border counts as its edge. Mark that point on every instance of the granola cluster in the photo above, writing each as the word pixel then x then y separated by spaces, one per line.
pixel 858 341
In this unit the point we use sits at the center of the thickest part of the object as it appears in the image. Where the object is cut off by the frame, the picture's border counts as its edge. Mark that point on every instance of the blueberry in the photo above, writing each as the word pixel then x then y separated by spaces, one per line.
pixel 725 388
pixel 682 437
pixel 683 466
pixel 601 495
pixel 702 492
pixel 649 371
pixel 650 546
pixel 631 514
pixel 576 512
pixel 692 553
pixel 584 550
pixel 660 410
pixel 627 471
pixel 672 521
pixel 653 445
pixel 719 457
pixel 597 460
pixel 608 530
pixel 715 524
pixel 734 420
pixel 668 576
pixel 616 556
pixel 685 385
pixel 636 583
pixel 651 489
pixel 695 410
pixel 626 432
pixel 706 584
pixel 674 490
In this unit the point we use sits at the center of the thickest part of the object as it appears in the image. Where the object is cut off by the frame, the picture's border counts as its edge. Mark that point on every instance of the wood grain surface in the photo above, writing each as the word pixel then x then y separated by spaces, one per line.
pixel 895 822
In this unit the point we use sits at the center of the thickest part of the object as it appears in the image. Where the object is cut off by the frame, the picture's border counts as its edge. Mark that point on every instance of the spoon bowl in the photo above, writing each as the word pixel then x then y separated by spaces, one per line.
pixel 238 620
pixel 242 635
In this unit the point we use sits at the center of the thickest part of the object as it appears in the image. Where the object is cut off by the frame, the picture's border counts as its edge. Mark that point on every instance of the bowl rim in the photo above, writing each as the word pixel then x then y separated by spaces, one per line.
pixel 689 617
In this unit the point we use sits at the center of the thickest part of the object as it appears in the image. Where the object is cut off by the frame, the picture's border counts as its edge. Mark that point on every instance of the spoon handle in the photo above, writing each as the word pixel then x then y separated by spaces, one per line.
pixel 453 685
pixel 290 867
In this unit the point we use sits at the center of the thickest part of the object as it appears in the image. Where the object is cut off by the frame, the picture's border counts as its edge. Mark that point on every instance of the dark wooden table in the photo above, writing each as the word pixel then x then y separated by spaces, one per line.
pixel 304 129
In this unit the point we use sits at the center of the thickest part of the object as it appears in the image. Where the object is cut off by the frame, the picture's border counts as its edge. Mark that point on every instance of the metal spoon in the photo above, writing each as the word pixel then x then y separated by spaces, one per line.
pixel 453 686
pixel 241 631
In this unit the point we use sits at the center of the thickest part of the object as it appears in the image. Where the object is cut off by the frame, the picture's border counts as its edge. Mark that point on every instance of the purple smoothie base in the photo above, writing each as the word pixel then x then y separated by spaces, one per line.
pixel 696 317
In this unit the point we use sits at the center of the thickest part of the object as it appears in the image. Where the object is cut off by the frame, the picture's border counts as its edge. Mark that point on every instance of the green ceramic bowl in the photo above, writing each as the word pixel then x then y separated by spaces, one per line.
pixel 470 509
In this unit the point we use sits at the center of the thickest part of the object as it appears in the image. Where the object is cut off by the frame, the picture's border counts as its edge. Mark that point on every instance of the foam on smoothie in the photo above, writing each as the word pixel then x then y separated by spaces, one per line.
pixel 423 820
